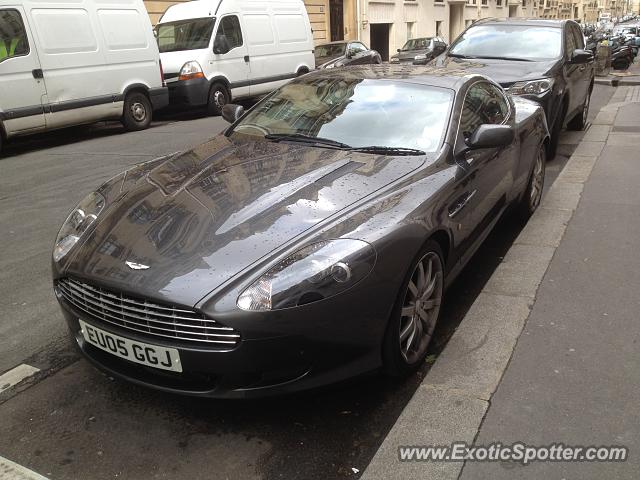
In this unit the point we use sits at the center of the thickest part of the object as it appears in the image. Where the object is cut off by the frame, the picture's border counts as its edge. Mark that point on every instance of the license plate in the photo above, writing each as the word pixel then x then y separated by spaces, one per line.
pixel 138 352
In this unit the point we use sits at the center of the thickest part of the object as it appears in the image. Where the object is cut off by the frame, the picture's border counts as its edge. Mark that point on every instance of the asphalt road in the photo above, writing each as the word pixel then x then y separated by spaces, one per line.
pixel 70 421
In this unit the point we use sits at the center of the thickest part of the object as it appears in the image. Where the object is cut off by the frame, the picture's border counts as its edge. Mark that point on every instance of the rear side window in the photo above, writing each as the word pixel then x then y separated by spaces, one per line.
pixel 13 36
pixel 230 27
pixel 484 104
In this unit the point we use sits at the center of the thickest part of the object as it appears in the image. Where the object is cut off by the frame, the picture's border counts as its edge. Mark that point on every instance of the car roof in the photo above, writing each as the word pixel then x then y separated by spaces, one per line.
pixel 543 22
pixel 451 78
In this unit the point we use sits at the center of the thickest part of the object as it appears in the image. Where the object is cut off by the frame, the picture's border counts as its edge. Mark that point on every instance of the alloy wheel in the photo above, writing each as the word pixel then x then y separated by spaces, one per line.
pixel 537 181
pixel 421 307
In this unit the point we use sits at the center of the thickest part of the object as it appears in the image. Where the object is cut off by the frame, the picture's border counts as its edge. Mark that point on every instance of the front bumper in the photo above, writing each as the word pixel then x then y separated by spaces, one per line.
pixel 194 92
pixel 159 97
pixel 305 349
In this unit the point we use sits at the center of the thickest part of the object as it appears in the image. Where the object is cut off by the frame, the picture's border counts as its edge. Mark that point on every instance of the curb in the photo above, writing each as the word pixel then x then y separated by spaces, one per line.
pixel 617 81
pixel 452 400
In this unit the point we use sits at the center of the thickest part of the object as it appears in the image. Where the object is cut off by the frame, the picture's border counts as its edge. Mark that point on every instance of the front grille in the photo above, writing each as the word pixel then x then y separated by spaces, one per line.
pixel 143 317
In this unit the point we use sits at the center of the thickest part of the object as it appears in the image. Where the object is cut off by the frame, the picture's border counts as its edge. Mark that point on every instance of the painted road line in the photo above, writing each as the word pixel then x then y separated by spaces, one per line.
pixel 15 376
pixel 12 471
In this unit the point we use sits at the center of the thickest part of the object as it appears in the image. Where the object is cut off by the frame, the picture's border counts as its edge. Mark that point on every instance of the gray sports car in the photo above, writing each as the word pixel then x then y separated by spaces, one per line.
pixel 310 242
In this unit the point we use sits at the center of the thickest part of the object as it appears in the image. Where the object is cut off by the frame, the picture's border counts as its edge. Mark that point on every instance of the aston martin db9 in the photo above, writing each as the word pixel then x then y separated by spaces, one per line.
pixel 310 242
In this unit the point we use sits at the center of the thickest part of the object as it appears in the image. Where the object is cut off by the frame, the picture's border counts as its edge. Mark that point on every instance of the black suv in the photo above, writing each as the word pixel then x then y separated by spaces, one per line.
pixel 543 60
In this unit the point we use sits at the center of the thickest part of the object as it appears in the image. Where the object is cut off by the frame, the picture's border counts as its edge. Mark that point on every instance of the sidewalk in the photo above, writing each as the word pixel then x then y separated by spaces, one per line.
pixel 629 77
pixel 550 350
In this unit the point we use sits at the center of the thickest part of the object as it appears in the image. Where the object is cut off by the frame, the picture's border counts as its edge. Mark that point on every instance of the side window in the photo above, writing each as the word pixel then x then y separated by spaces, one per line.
pixel 483 104
pixel 570 42
pixel 230 27
pixel 579 39
pixel 356 47
pixel 13 36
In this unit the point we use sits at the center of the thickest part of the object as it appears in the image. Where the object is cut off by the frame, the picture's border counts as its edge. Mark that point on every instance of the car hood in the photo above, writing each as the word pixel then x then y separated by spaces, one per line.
pixel 410 55
pixel 201 217
pixel 505 72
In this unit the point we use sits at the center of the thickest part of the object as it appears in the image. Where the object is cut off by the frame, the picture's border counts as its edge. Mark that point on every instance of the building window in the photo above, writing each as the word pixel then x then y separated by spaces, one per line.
pixel 484 2
pixel 499 3
pixel 410 30
pixel 524 3
pixel 438 28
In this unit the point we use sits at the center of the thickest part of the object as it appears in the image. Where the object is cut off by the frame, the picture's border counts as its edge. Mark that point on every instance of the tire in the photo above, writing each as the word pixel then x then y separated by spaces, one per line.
pixel 531 197
pixel 578 122
pixel 409 332
pixel 218 97
pixel 555 133
pixel 137 112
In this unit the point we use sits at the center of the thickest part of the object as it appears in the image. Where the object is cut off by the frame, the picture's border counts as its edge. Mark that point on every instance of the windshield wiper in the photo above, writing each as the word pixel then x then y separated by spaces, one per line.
pixel 301 137
pixel 388 150
pixel 459 55
pixel 505 58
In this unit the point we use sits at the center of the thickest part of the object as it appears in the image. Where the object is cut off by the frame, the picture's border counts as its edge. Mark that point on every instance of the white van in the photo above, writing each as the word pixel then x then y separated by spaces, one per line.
pixel 213 51
pixel 77 61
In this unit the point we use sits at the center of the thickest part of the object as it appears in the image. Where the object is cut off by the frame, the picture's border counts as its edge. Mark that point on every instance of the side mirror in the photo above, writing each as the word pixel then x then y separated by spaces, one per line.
pixel 580 56
pixel 349 54
pixel 399 50
pixel 221 45
pixel 232 112
pixel 491 136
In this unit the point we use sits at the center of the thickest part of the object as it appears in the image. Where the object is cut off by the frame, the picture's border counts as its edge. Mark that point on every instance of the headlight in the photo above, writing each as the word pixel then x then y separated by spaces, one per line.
pixel 78 221
pixel 331 65
pixel 422 56
pixel 191 70
pixel 534 87
pixel 313 273
pixel 394 60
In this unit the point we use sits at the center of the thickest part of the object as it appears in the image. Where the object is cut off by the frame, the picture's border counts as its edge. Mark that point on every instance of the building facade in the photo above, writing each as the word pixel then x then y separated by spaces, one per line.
pixel 385 25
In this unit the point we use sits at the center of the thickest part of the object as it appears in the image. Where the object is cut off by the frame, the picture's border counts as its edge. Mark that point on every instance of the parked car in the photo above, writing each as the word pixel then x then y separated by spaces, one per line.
pixel 215 51
pixel 543 60
pixel 340 54
pixel 63 64
pixel 310 242
pixel 420 51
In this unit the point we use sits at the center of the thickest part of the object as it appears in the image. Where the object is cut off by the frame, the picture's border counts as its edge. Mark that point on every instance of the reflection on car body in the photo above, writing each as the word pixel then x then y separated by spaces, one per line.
pixel 309 243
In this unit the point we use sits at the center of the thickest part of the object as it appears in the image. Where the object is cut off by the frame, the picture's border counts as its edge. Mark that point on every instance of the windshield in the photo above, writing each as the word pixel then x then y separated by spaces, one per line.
pixel 416 44
pixel 332 50
pixel 355 113
pixel 192 34
pixel 509 42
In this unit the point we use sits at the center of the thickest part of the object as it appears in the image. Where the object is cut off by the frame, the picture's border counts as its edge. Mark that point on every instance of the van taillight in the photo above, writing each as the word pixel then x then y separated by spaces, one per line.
pixel 164 84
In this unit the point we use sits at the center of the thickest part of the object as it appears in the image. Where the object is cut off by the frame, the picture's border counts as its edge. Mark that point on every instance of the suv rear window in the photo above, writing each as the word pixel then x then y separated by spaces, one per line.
pixel 509 42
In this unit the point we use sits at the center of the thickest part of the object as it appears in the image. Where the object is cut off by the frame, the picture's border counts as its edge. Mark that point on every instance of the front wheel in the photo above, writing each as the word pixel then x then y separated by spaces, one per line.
pixel 218 98
pixel 137 112
pixel 530 200
pixel 415 314
pixel 578 122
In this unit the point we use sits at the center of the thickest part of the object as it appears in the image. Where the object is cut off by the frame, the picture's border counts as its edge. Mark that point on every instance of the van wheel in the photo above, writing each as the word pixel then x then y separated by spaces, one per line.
pixel 218 97
pixel 137 112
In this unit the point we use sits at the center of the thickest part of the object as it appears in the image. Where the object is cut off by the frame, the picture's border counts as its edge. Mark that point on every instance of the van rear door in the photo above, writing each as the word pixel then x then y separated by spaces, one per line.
pixel 22 88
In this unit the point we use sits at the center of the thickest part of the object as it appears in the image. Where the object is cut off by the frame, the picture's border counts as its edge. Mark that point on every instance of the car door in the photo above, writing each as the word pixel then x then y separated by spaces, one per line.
pixel 572 72
pixel 22 88
pixel 584 70
pixel 233 64
pixel 484 176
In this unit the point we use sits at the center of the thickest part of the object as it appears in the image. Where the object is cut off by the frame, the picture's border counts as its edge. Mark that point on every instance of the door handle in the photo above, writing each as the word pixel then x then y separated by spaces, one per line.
pixel 246 58
pixel 37 73
pixel 460 203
